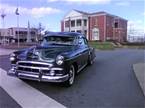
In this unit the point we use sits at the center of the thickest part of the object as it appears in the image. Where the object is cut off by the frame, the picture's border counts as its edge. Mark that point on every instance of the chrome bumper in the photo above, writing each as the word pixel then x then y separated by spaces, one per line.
pixel 38 77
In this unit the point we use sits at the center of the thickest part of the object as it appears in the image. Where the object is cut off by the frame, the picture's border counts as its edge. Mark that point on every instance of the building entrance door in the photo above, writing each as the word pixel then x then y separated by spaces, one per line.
pixel 95 34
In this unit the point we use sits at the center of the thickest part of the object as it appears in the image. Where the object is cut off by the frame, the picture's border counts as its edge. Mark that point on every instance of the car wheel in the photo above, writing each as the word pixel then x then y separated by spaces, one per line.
pixel 70 81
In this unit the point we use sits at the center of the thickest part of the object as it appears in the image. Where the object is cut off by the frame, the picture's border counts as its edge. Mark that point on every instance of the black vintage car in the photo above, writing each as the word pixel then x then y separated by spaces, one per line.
pixel 59 58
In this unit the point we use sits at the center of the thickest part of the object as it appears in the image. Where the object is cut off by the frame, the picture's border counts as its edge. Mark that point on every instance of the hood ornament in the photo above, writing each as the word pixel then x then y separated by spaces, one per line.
pixel 35 54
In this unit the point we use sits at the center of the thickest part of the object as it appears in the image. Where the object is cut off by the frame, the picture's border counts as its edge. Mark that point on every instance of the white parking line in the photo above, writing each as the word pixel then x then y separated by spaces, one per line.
pixel 25 95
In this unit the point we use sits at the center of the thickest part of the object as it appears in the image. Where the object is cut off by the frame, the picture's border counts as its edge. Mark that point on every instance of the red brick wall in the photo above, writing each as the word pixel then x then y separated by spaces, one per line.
pixel 120 33
pixel 89 30
pixel 99 25
pixel 109 27
pixel 123 25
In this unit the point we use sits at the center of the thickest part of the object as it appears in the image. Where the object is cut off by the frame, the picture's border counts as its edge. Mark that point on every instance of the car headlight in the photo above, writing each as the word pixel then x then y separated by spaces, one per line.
pixel 59 60
pixel 12 57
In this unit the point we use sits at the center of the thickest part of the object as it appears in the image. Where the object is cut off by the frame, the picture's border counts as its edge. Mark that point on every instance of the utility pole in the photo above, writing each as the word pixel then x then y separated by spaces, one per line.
pixel 17 14
pixel 18 30
pixel 3 15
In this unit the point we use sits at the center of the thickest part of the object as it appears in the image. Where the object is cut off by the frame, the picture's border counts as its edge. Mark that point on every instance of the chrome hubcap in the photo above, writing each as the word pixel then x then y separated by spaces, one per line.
pixel 71 73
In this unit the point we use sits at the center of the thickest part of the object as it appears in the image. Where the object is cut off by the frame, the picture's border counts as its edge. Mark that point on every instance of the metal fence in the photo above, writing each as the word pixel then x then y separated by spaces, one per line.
pixel 139 39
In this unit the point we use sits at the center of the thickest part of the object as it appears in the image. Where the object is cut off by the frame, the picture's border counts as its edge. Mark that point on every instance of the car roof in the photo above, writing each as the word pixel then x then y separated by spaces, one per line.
pixel 67 34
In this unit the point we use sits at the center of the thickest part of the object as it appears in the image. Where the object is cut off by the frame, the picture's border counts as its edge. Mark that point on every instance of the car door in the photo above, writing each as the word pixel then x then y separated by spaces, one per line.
pixel 84 50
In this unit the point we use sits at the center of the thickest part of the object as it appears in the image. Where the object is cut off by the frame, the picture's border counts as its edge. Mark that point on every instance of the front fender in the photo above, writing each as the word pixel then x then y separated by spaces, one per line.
pixel 92 53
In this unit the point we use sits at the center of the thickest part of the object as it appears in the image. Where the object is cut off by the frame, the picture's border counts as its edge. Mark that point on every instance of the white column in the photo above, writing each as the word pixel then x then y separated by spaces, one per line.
pixel 69 24
pixel 82 24
pixel 64 25
pixel 75 28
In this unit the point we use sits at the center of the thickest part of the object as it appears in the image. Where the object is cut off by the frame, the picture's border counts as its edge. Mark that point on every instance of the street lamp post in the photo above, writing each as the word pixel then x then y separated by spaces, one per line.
pixel 17 13
pixel 3 23
pixel 18 30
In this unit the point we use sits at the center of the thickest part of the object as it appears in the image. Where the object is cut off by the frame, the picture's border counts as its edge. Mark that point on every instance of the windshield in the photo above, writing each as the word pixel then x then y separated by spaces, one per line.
pixel 61 40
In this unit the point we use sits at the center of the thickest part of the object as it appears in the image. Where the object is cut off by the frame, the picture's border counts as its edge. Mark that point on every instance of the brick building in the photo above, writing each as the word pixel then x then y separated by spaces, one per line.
pixel 99 26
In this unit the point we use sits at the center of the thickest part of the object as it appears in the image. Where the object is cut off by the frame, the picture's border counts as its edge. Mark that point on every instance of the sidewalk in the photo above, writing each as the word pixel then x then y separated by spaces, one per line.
pixel 5 51
pixel 6 101
pixel 25 95
pixel 139 70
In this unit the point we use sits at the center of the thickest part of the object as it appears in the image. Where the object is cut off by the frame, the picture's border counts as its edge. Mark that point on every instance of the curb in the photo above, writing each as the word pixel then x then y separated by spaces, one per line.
pixel 139 70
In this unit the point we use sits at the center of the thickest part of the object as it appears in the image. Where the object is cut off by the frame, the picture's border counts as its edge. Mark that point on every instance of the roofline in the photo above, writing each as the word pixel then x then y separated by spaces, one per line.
pixel 117 16
pixel 82 12
pixel 96 13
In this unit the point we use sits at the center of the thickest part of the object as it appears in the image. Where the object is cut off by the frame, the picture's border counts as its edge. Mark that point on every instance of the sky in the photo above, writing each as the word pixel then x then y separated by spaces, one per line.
pixel 50 12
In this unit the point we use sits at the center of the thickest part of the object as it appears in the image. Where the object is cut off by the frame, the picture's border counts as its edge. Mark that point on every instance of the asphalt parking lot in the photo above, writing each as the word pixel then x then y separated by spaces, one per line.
pixel 109 83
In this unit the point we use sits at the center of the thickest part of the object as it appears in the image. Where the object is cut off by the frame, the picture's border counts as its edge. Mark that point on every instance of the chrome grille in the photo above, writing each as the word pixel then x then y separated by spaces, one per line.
pixel 33 66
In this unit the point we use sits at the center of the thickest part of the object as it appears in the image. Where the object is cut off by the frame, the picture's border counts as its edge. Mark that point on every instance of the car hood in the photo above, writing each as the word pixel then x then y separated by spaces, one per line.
pixel 46 53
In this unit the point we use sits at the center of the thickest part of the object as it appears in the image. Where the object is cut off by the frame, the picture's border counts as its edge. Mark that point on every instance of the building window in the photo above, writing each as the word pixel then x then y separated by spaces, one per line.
pixel 79 31
pixel 73 23
pixel 85 22
pixel 85 32
pixel 73 31
pixel 116 25
pixel 66 23
pixel 16 32
pixel 25 33
pixel 79 23
pixel 32 33
pixel 95 34
pixel 12 31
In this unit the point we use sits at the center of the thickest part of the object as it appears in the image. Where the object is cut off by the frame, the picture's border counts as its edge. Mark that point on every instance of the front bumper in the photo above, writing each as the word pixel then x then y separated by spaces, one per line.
pixel 38 77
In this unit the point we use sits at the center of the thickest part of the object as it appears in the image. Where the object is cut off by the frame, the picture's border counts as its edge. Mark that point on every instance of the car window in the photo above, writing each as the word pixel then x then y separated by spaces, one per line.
pixel 64 40
pixel 82 41
pixel 85 41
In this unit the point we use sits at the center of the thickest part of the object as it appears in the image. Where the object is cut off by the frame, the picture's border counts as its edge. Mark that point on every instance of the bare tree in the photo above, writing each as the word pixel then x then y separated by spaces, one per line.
pixel 40 30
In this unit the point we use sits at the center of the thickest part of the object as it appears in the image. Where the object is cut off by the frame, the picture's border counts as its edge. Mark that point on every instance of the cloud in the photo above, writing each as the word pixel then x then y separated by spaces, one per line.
pixel 42 11
pixel 83 1
pixel 35 12
pixel 123 3
pixel 144 13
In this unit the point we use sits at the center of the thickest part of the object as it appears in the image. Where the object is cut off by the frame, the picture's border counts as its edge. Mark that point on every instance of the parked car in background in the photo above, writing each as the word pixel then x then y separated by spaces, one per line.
pixel 59 58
